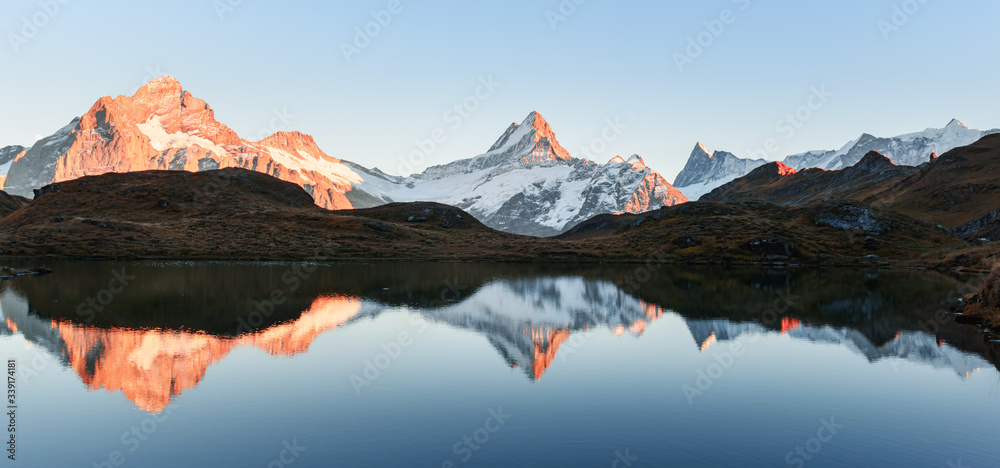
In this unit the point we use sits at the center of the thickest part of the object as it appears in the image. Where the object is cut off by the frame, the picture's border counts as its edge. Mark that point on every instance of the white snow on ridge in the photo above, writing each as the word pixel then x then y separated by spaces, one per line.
pixel 558 302
pixel 483 192
pixel 952 136
pixel 306 162
pixel 513 138
pixel 695 191
pixel 161 141
pixel 915 347
pixel 911 149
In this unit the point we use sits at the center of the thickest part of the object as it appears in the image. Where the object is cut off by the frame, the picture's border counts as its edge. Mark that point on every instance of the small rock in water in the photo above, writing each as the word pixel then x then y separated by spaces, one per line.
pixel 6 272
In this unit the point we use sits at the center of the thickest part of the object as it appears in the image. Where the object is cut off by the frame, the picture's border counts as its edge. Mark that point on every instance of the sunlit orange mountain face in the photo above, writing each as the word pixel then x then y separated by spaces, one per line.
pixel 529 319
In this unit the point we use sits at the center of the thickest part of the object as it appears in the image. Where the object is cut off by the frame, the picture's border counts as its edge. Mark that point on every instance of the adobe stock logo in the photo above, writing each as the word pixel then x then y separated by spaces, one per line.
pixel 223 8
pixel 901 14
pixel 613 129
pixel 793 121
pixel 469 444
pixel 712 31
pixel 562 12
pixel 31 25
pixel 364 35
pixel 802 454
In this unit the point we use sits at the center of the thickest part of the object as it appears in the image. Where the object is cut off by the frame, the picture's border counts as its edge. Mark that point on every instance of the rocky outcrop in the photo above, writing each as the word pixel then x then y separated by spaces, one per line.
pixel 772 248
pixel 846 216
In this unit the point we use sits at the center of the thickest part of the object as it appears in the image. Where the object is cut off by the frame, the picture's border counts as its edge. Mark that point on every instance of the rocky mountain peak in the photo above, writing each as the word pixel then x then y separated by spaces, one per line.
pixel 706 170
pixel 163 84
pixel 163 93
pixel 700 150
pixel 635 161
pixel 296 144
pixel 874 162
pixel 533 140
pixel 771 170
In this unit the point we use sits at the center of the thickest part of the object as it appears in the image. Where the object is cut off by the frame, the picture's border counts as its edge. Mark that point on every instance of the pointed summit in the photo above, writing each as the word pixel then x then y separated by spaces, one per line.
pixel 533 140
pixel 165 84
pixel 706 170
pixel 636 161
pixel 701 150
pixel 534 119
pixel 873 162
pixel 954 123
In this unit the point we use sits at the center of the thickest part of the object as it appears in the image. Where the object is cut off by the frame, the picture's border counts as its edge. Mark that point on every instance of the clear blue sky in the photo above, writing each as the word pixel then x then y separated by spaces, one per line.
pixel 607 60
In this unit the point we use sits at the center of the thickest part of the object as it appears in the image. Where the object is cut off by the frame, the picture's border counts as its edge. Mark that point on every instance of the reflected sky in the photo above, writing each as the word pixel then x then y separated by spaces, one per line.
pixel 390 365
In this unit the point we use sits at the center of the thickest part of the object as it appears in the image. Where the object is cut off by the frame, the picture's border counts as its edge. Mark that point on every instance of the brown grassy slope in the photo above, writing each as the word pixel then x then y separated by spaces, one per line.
pixel 960 186
pixel 770 184
pixel 833 233
pixel 238 214
pixel 234 214
pixel 10 203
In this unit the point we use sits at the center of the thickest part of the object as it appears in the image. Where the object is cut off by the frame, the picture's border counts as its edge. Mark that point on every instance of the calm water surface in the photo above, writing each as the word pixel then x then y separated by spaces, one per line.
pixel 463 365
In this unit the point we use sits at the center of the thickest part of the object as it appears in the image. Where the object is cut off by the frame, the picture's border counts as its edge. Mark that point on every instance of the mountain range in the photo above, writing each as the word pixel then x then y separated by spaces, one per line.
pixel 706 171
pixel 957 190
pixel 526 183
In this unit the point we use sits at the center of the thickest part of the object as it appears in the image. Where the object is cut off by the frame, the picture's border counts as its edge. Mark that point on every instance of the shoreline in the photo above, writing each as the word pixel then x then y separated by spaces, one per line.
pixel 559 260
pixel 970 313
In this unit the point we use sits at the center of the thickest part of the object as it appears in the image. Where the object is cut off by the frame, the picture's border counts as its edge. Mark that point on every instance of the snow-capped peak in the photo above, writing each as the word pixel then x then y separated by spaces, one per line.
pixel 707 170
pixel 535 120
pixel 636 161
pixel 514 134
pixel 703 172
pixel 701 150
pixel 532 141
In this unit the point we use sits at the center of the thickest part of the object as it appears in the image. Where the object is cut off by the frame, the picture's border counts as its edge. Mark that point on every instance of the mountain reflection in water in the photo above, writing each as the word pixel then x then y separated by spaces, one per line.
pixel 159 335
